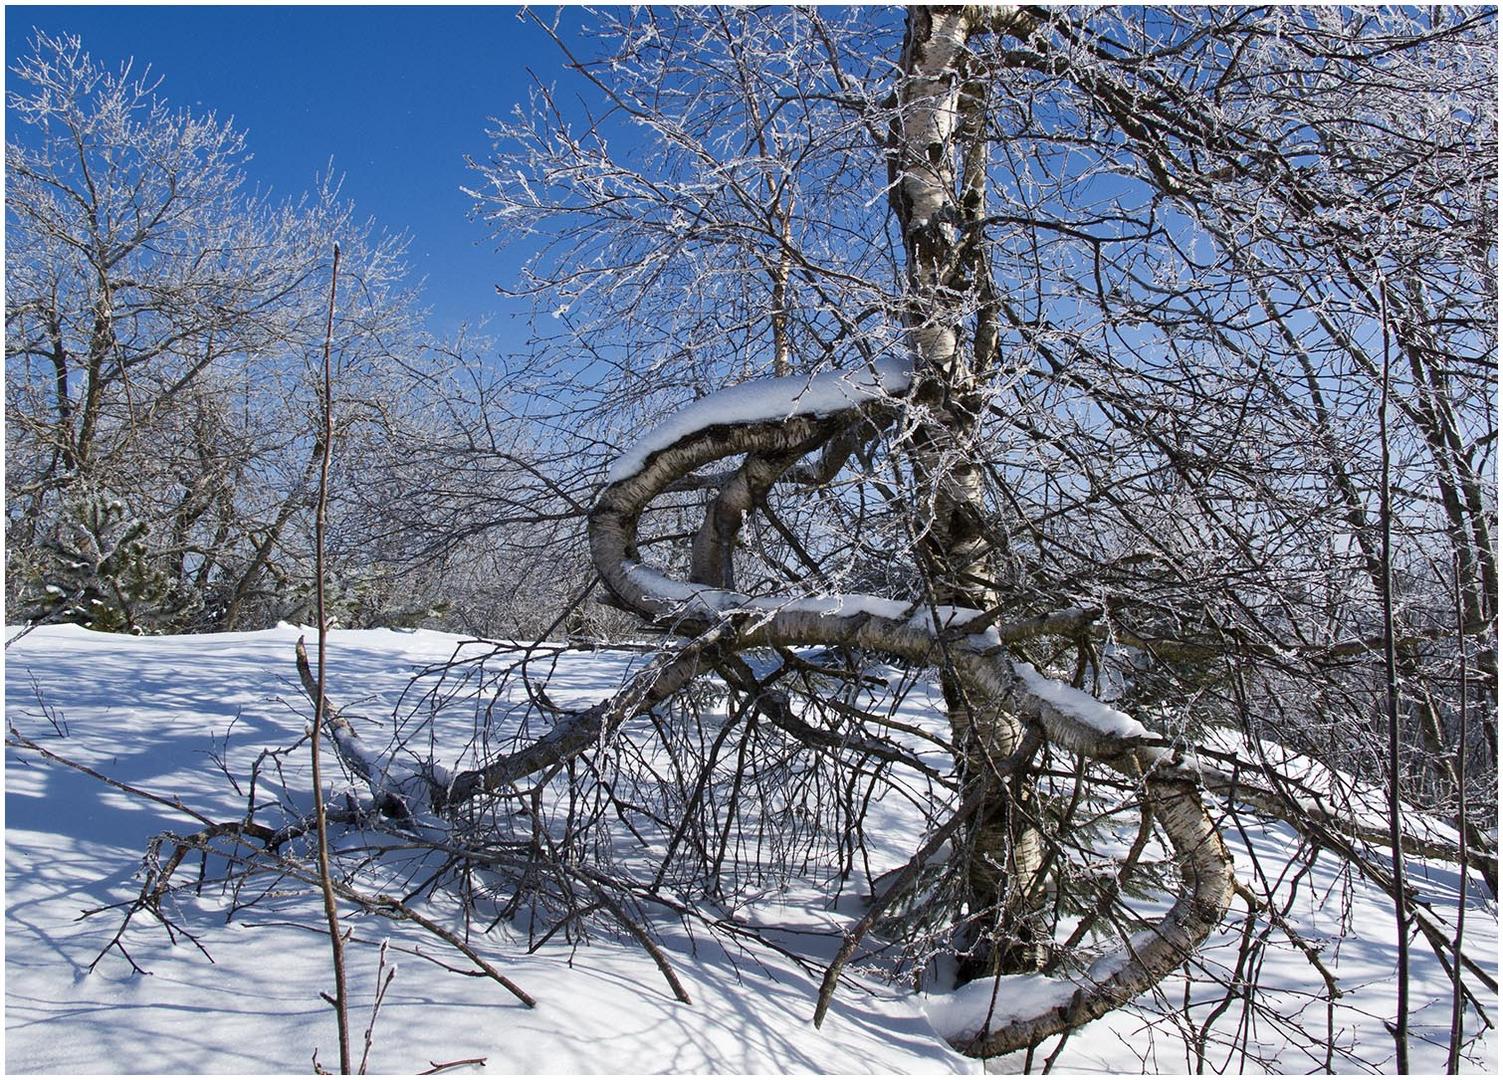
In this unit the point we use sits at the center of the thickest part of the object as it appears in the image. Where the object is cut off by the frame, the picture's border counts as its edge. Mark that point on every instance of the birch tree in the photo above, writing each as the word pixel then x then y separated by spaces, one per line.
pixel 1143 267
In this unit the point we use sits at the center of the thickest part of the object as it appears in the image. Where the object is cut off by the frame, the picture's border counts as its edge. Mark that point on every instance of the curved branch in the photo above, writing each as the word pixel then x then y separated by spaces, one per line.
pixel 922 635
pixel 973 643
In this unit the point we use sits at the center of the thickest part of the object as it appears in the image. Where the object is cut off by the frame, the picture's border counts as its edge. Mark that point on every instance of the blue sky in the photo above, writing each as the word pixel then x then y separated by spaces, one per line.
pixel 396 96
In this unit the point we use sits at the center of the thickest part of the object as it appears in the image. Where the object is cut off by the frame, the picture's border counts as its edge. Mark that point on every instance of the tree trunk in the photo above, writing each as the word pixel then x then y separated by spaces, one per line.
pixel 937 154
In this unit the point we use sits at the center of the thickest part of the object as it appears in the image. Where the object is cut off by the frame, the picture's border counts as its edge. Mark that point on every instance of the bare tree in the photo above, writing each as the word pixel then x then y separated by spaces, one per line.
pixel 162 323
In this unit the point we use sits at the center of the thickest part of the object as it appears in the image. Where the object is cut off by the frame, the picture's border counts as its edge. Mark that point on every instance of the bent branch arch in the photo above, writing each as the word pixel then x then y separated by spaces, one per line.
pixel 730 621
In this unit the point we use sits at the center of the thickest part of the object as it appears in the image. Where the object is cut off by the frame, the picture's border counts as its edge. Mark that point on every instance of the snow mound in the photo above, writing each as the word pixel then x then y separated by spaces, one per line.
pixel 163 714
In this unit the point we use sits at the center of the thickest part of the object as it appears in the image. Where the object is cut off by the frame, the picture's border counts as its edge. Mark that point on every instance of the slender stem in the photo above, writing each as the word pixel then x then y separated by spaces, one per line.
pixel 1390 669
pixel 331 910
pixel 1453 1055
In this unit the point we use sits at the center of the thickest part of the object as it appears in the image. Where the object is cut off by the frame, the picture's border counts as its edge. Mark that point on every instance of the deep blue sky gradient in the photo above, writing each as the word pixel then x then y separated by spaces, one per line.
pixel 396 96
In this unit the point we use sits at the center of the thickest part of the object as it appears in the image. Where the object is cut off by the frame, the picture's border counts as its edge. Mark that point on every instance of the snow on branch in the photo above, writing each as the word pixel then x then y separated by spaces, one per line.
pixel 769 399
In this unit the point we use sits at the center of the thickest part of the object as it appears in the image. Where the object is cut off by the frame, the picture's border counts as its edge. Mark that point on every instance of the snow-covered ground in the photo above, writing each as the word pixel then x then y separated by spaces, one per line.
pixel 181 716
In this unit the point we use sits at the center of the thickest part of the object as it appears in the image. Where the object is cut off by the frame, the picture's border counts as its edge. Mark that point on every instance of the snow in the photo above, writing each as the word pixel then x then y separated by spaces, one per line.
pixel 844 606
pixel 164 712
pixel 994 1003
pixel 1078 705
pixel 696 599
pixel 705 601
pixel 154 712
pixel 769 399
